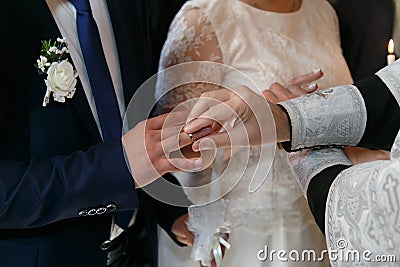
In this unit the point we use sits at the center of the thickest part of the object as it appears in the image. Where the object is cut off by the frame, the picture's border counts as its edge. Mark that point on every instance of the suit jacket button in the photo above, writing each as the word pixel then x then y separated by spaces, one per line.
pixel 101 210
pixel 111 207
pixel 83 213
pixel 92 212
pixel 106 245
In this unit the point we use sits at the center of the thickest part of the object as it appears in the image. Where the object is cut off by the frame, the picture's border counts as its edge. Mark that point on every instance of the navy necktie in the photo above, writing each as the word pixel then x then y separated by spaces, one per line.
pixel 100 81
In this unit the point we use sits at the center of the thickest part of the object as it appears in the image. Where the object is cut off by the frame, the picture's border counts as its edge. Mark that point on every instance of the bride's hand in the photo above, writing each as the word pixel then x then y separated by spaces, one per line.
pixel 181 231
pixel 296 87
pixel 244 114
pixel 249 118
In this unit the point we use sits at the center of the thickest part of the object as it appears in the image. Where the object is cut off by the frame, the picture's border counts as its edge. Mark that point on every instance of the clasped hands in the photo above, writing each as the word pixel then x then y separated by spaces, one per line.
pixel 245 117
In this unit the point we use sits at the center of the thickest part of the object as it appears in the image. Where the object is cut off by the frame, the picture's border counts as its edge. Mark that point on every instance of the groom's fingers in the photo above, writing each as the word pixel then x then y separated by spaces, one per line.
pixel 182 164
pixel 167 120
pixel 182 139
pixel 171 131
pixel 175 142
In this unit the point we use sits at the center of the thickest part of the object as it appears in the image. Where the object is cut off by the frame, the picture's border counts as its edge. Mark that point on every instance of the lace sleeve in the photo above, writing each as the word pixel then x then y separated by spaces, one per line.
pixel 191 38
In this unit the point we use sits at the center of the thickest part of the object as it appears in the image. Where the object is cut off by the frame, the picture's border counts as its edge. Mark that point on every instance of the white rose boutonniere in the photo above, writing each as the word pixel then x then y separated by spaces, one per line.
pixel 61 76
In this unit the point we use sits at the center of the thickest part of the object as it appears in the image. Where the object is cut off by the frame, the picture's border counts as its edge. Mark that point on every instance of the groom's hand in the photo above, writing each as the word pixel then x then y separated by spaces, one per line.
pixel 149 144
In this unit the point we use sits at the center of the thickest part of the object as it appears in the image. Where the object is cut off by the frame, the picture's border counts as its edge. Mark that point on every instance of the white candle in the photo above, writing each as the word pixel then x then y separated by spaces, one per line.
pixel 391 57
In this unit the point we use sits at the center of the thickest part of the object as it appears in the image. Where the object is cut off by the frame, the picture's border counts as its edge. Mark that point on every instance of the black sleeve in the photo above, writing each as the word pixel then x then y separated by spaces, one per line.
pixel 317 193
pixel 163 214
pixel 167 214
pixel 383 114
pixel 157 211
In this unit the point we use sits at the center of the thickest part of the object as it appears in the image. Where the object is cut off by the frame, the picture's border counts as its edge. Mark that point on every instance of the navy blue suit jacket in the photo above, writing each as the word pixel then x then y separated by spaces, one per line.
pixel 53 163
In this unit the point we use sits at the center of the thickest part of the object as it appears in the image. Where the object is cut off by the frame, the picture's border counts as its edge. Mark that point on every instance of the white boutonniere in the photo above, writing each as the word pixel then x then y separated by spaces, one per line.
pixel 61 76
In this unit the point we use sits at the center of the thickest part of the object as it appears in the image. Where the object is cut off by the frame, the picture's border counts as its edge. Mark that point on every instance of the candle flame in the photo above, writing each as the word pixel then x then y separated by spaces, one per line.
pixel 391 46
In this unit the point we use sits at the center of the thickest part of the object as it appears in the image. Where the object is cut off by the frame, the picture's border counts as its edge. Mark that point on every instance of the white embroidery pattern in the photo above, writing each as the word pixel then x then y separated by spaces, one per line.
pixel 307 163
pixel 363 205
pixel 335 116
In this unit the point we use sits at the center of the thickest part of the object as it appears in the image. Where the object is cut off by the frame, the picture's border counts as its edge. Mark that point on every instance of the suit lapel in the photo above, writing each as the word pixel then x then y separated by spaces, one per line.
pixel 129 26
pixel 40 25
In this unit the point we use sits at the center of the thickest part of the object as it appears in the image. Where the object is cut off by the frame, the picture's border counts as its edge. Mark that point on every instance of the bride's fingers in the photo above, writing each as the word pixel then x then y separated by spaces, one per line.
pixel 297 91
pixel 280 92
pixel 221 113
pixel 186 237
pixel 208 100
pixel 306 78
pixel 185 241
pixel 270 96
pixel 218 140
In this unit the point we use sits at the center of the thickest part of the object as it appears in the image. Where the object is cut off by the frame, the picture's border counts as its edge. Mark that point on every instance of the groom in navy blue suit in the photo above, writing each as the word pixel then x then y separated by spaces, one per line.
pixel 61 180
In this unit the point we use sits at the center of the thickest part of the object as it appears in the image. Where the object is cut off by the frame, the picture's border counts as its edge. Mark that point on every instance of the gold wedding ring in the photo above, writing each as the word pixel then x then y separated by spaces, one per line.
pixel 192 137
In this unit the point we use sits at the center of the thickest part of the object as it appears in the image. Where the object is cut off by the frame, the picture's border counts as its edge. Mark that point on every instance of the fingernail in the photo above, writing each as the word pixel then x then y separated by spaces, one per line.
pixel 187 127
pixel 196 146
pixel 198 162
pixel 317 70
pixel 205 130
pixel 206 144
pixel 312 87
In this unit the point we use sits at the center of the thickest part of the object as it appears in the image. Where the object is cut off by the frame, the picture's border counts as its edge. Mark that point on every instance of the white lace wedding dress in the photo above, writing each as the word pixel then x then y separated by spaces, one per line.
pixel 267 47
